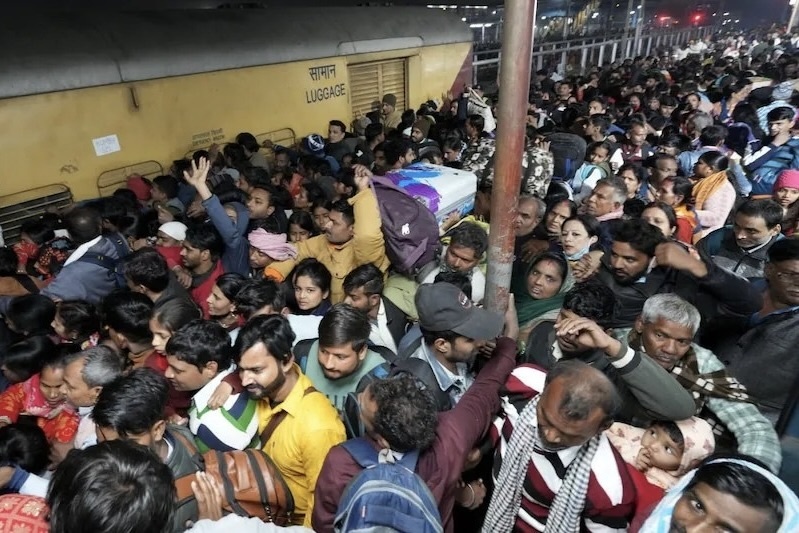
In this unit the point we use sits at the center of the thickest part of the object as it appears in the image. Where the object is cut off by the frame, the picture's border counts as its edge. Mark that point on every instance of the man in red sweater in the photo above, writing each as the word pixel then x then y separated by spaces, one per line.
pixel 201 251
pixel 453 434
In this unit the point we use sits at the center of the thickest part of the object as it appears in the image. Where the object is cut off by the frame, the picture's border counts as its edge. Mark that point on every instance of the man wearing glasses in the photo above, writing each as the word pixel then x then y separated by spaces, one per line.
pixel 761 351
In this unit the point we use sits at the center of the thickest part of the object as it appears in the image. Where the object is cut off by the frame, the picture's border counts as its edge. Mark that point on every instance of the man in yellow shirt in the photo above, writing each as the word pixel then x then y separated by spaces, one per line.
pixel 352 237
pixel 298 424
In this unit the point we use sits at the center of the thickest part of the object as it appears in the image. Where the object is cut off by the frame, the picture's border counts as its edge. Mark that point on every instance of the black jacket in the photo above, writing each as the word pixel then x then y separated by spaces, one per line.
pixel 396 320
pixel 762 356
pixel 720 293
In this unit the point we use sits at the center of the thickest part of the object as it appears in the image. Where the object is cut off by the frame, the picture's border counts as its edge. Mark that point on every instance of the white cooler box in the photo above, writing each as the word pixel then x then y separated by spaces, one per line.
pixel 442 189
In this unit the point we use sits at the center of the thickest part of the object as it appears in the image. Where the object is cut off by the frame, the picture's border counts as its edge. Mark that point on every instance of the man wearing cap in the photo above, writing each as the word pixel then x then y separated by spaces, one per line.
pixel 780 96
pixel 451 327
pixel 390 118
pixel 419 132
pixel 314 145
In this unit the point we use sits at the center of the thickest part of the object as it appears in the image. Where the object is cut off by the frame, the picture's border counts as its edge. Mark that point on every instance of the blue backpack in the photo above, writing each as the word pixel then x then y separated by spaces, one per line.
pixel 385 496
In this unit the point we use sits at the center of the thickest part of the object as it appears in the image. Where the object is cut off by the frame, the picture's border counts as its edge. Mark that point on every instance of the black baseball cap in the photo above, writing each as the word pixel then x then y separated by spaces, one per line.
pixel 444 307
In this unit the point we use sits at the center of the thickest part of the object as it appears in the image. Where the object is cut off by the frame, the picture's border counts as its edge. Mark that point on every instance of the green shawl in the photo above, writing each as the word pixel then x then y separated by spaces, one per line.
pixel 529 308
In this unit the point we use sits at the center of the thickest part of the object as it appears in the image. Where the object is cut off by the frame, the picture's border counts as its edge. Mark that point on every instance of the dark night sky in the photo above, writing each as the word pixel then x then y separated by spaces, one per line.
pixel 752 12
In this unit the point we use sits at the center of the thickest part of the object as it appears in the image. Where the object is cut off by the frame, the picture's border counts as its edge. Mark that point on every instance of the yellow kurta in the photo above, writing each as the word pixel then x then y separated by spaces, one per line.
pixel 366 246
pixel 300 443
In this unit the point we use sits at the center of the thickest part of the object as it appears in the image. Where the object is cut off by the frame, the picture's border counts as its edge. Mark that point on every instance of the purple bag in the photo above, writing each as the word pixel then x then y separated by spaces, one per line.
pixel 410 230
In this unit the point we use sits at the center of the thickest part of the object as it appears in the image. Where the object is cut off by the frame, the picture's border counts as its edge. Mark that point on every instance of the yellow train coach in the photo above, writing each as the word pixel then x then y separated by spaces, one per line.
pixel 87 99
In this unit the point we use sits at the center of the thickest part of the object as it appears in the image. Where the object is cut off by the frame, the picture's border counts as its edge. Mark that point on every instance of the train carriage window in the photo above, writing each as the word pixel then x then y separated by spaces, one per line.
pixel 20 207
pixel 370 81
pixel 111 180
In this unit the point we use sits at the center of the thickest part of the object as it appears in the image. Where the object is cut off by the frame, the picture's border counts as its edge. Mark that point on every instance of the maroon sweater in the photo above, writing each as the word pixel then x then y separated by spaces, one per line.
pixel 459 430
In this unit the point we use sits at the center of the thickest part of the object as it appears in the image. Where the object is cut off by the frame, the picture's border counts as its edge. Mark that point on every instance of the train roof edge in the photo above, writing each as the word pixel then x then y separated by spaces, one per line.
pixel 52 52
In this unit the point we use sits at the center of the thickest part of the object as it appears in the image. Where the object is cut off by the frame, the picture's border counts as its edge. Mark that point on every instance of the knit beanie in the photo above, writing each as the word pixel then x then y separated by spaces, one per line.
pixel 422 125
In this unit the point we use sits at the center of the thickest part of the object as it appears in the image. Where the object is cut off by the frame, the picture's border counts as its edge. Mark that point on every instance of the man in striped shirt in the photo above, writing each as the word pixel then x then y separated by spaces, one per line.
pixel 569 456
pixel 200 358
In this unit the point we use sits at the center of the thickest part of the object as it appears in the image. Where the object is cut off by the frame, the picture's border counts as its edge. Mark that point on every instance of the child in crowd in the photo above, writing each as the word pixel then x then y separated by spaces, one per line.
pixel 77 322
pixel 301 227
pixel 30 315
pixel 666 450
pixel 220 303
pixel 311 281
pixel 786 193
pixel 265 249
pixel 24 446
pixel 594 168
pixel 165 195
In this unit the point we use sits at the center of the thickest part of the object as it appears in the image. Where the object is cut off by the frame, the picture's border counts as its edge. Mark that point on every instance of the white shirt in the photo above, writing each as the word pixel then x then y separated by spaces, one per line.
pixel 304 326
pixel 81 250
pixel 381 335
pixel 86 435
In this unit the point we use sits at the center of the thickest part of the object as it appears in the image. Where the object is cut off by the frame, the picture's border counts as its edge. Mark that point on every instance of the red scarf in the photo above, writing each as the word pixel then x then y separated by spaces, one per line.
pixel 36 404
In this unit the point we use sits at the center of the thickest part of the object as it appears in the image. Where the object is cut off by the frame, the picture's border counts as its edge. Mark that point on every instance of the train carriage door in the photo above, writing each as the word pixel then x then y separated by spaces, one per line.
pixel 370 81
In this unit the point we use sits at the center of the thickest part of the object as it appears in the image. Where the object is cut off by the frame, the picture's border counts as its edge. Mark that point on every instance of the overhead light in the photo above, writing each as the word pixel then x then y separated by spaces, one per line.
pixel 632 12
pixel 595 15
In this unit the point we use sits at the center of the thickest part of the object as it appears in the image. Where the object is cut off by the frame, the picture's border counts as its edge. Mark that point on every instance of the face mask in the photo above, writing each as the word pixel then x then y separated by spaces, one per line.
pixel 578 255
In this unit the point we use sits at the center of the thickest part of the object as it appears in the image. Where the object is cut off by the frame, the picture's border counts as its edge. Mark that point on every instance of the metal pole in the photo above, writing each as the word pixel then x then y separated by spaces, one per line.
pixel 792 20
pixel 513 93
pixel 639 24
pixel 627 20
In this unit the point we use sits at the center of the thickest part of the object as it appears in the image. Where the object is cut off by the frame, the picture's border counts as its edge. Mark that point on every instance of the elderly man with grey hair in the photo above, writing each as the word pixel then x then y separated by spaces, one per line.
pixel 85 375
pixel 665 331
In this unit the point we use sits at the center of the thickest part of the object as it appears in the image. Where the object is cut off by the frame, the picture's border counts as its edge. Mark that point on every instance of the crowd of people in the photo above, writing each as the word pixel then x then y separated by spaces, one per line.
pixel 642 378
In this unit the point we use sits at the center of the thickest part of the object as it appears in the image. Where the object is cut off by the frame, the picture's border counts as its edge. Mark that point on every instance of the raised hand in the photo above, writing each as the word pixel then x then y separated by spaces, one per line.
pixel 198 173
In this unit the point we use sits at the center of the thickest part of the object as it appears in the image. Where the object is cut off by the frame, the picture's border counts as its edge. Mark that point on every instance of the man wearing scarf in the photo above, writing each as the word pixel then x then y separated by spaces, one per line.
pixel 664 334
pixel 554 468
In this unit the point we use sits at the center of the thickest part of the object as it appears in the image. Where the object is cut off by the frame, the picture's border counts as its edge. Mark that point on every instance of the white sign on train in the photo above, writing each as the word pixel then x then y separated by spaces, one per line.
pixel 106 145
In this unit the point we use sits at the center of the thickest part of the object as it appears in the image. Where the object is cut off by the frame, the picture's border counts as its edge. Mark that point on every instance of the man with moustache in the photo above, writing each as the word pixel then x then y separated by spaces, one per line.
pixel 298 425
pixel 647 391
pixel 553 464
pixel 642 263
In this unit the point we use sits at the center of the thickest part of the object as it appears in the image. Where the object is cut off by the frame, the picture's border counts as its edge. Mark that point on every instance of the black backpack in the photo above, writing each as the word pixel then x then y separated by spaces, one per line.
pixel 112 265
pixel 568 151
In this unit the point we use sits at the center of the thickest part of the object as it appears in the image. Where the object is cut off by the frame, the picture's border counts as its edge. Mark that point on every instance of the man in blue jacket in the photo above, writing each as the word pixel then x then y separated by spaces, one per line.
pixel 89 273
pixel 230 220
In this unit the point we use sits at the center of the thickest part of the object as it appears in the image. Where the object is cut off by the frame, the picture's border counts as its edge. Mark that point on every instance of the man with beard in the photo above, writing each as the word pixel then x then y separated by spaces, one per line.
pixel 642 263
pixel 452 329
pixel 468 242
pixel 201 253
pixel 351 237
pixel 340 357
pixel 298 424
pixel 553 463
pixel 647 391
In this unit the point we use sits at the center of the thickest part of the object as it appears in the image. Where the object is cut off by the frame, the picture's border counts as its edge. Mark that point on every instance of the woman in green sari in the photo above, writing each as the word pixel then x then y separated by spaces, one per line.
pixel 539 294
